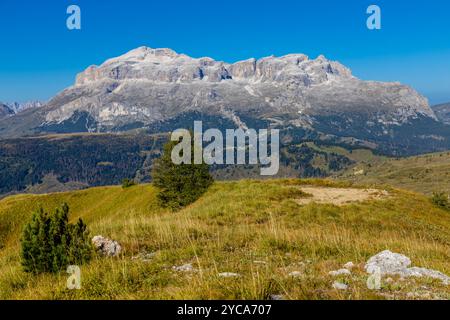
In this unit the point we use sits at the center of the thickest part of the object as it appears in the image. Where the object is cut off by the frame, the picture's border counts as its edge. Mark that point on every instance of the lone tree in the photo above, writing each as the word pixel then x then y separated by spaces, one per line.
pixel 50 243
pixel 179 184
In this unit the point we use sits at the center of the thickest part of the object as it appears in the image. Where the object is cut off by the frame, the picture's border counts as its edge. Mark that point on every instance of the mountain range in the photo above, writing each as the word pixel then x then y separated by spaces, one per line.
pixel 442 112
pixel 158 90
pixel 5 111
pixel 10 109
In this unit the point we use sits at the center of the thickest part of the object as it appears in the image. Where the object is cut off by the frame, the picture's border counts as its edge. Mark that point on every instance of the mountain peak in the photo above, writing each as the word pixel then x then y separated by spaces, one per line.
pixel 5 111
pixel 16 107
pixel 166 65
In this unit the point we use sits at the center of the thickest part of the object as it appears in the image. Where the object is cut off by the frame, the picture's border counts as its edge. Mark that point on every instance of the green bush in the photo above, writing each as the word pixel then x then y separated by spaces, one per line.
pixel 127 183
pixel 179 185
pixel 441 200
pixel 50 244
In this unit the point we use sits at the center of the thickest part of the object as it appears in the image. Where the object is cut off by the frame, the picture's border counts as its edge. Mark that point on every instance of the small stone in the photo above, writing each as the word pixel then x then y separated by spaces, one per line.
pixel 276 297
pixel 340 286
pixel 144 257
pixel 259 262
pixel 340 272
pixel 349 265
pixel 184 268
pixel 229 275
pixel 295 274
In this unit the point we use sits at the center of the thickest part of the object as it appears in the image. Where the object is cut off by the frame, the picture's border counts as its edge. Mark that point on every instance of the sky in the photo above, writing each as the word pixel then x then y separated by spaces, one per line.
pixel 40 56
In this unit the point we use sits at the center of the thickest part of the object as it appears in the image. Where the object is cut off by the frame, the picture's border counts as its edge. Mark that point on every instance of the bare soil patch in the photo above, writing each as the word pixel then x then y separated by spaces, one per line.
pixel 340 196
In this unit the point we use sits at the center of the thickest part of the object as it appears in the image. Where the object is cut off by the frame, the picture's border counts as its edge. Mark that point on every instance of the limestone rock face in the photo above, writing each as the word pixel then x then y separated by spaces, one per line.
pixel 149 85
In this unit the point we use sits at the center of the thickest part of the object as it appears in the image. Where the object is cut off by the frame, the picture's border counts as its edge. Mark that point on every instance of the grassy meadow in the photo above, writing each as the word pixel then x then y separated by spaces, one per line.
pixel 426 173
pixel 256 229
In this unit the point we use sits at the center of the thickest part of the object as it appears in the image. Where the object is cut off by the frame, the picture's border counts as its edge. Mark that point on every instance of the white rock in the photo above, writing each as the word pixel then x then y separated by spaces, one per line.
pixel 389 263
pixel 340 272
pixel 106 247
pixel 184 268
pixel 295 274
pixel 349 265
pixel 143 256
pixel 340 286
pixel 276 297
pixel 423 272
pixel 229 275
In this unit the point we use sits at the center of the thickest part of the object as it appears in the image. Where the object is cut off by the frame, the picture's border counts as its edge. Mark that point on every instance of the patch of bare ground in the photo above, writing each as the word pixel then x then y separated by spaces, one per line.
pixel 340 196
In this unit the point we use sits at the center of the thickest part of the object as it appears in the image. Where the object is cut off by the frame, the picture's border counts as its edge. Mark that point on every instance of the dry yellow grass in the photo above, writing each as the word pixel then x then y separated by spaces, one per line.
pixel 253 228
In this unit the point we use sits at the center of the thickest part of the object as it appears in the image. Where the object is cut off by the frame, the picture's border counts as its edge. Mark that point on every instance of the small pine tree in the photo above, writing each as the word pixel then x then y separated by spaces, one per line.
pixel 127 183
pixel 179 185
pixel 34 242
pixel 80 249
pixel 50 243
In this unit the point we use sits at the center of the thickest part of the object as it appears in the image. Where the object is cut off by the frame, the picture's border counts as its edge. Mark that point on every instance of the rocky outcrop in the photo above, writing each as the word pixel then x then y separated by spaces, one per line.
pixel 106 247
pixel 389 263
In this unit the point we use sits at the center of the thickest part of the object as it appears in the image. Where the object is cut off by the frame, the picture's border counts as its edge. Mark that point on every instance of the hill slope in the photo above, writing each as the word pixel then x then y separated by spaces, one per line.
pixel 426 173
pixel 263 238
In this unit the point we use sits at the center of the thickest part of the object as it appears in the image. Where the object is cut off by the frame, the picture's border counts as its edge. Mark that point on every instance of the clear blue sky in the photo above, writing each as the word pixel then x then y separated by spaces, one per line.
pixel 39 56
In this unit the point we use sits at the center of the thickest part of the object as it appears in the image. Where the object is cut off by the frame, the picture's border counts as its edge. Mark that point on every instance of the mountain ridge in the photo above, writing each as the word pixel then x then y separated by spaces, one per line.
pixel 9 109
pixel 442 112
pixel 5 111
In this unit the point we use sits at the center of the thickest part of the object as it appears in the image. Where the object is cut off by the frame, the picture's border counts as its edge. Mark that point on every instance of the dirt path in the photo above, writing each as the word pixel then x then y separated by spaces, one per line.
pixel 340 196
